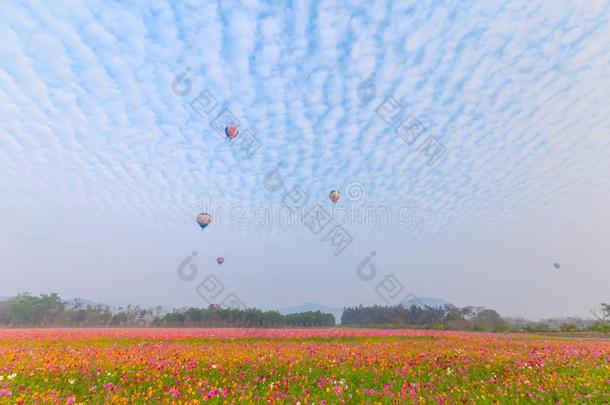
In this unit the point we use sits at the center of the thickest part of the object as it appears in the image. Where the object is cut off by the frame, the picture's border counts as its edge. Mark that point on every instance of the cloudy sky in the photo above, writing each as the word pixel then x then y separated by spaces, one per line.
pixel 470 142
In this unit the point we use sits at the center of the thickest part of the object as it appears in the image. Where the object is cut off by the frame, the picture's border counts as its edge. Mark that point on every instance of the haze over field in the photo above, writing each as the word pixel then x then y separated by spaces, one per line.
pixel 105 161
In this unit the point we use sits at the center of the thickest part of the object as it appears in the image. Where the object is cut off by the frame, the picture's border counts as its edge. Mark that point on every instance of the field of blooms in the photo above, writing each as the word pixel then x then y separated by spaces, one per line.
pixel 297 366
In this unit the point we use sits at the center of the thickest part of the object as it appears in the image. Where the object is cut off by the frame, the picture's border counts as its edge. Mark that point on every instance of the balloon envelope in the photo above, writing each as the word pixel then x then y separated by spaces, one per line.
pixel 334 196
pixel 231 131
pixel 204 219
pixel 557 266
pixel 220 260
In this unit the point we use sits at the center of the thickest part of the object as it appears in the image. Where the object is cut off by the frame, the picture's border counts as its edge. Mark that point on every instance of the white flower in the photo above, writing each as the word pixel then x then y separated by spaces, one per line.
pixel 213 365
pixel 1 377
pixel 10 377
pixel 71 382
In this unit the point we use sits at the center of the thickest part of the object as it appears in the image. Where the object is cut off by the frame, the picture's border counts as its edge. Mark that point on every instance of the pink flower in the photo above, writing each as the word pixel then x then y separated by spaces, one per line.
pixel 71 400
pixel 212 393
pixel 175 393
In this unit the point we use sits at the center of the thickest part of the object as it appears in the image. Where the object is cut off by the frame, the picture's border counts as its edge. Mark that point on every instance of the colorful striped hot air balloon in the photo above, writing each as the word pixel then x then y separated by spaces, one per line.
pixel 334 196
pixel 220 260
pixel 204 219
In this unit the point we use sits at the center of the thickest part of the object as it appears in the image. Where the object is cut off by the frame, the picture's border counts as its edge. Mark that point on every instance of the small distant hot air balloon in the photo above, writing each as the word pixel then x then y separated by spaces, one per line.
pixel 231 131
pixel 220 260
pixel 334 196
pixel 204 219
pixel 557 266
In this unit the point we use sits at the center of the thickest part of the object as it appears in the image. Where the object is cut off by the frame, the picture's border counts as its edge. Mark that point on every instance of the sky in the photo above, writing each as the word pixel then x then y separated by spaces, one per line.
pixel 469 141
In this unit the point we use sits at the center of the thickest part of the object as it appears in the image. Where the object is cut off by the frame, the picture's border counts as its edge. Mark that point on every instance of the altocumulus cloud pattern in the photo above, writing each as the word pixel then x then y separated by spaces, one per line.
pixel 515 91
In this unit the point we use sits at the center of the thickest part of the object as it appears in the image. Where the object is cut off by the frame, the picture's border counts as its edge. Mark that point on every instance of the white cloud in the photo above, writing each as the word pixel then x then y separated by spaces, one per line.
pixel 516 92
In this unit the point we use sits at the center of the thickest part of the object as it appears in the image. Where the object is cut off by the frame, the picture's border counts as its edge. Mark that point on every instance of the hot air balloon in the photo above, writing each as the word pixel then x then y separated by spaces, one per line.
pixel 557 266
pixel 204 219
pixel 231 131
pixel 334 196
pixel 220 260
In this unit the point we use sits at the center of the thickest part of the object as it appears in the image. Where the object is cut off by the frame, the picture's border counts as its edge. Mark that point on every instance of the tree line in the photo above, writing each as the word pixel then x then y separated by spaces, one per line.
pixel 446 317
pixel 467 318
pixel 213 317
pixel 47 310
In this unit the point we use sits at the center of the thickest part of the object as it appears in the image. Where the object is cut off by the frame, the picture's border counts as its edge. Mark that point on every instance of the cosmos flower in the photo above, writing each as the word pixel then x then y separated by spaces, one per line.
pixel 297 366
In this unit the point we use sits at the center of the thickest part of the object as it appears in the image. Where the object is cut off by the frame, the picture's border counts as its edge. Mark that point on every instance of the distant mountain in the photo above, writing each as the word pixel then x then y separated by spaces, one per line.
pixel 425 301
pixel 311 306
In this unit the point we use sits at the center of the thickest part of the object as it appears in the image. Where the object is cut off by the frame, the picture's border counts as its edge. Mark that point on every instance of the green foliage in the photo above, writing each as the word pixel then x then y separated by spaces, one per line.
pixel 251 317
pixel 603 327
pixel 49 310
pixel 397 314
pixel 569 327
pixel 28 310
pixel 447 318
pixel 536 327
pixel 310 318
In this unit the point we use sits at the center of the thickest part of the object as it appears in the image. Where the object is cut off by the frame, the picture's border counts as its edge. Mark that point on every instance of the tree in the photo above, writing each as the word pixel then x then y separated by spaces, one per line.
pixel 603 318
pixel 28 310
pixel 488 319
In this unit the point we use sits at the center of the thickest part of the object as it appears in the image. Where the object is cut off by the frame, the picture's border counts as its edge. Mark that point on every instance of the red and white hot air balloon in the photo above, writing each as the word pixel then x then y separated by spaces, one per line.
pixel 231 131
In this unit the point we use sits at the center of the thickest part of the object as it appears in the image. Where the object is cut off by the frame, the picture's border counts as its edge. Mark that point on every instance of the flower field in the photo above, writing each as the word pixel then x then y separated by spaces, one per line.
pixel 297 366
